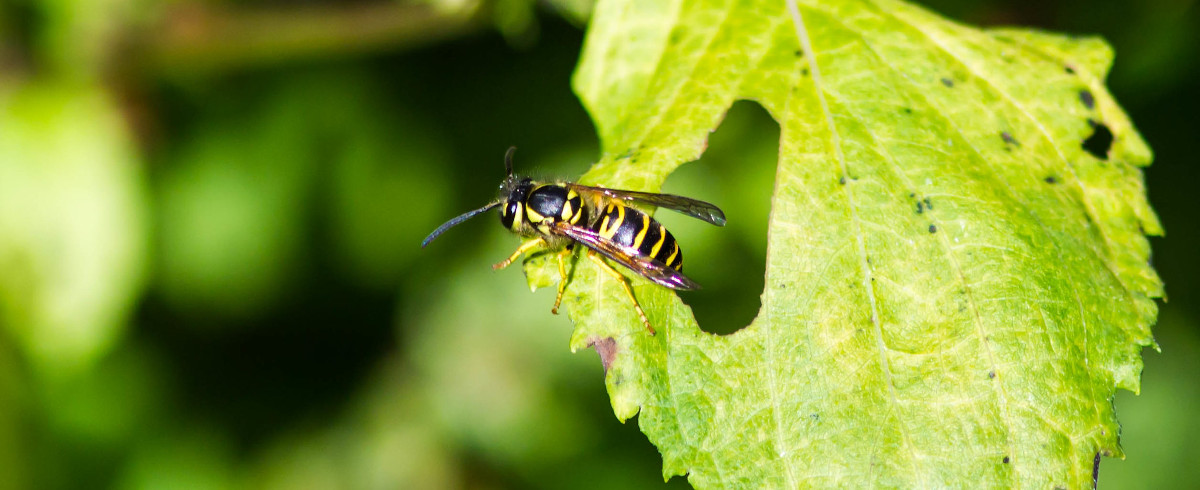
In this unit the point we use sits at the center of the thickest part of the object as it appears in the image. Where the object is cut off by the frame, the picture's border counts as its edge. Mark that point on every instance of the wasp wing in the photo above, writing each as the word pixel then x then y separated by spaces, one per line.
pixel 647 267
pixel 686 205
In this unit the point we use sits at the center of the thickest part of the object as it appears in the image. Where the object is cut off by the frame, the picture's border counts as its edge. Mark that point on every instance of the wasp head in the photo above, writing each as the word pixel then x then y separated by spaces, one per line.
pixel 513 192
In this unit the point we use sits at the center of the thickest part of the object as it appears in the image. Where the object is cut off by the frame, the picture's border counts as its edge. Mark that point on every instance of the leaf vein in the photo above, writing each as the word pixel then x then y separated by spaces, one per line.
pixel 806 46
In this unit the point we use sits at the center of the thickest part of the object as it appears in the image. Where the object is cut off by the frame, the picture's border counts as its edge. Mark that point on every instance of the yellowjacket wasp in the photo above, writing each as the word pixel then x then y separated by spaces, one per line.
pixel 558 215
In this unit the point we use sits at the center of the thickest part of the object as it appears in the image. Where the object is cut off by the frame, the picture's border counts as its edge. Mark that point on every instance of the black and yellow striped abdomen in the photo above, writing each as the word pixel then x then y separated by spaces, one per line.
pixel 634 229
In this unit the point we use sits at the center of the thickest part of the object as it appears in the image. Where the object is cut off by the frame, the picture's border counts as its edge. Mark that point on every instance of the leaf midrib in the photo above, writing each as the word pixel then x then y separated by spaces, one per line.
pixel 864 261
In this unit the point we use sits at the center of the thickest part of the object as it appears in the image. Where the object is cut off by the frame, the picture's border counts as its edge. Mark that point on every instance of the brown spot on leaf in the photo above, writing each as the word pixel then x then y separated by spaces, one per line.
pixel 607 348
pixel 1088 100
pixel 1008 138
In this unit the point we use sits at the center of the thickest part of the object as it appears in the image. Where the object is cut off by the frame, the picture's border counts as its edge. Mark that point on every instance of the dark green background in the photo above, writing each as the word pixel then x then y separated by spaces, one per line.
pixel 290 333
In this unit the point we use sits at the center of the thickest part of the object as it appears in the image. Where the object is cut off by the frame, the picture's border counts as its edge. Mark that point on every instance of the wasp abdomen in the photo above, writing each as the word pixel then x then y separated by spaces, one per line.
pixel 634 229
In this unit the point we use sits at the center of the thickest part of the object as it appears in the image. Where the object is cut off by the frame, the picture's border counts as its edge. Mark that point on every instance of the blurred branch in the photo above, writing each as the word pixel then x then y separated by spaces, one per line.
pixel 203 37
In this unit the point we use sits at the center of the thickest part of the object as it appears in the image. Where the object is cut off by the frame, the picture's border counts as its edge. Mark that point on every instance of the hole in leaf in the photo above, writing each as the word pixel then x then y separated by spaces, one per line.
pixel 1099 142
pixel 737 173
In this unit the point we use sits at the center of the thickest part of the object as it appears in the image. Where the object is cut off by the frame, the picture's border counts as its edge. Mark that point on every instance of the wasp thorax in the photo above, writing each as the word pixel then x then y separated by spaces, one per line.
pixel 546 203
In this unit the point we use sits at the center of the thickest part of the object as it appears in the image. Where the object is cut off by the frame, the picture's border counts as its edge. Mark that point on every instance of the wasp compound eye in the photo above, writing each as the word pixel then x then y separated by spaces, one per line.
pixel 509 213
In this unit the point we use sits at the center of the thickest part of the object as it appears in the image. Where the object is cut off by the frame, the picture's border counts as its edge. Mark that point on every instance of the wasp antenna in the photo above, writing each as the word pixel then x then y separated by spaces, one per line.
pixel 458 219
pixel 508 160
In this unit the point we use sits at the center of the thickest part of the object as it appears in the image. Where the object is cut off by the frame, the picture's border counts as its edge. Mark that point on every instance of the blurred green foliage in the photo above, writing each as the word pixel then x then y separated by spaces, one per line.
pixel 72 231
pixel 210 214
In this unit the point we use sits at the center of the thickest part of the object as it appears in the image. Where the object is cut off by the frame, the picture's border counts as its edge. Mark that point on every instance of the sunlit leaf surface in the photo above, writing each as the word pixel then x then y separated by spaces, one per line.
pixel 957 277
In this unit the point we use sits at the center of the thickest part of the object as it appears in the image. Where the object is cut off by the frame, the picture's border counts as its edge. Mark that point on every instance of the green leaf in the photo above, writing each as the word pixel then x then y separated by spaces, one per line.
pixel 955 285
pixel 231 212
pixel 72 225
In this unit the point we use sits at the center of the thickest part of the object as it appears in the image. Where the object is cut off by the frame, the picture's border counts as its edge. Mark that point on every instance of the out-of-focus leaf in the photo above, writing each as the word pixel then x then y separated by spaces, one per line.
pixel 491 378
pixel 231 216
pixel 575 11
pixel 237 201
pixel 386 440
pixel 195 457
pixel 78 37
pixel 72 231
pixel 956 271
pixel 385 190
pixel 14 427
pixel 515 20
pixel 101 409
pixel 89 421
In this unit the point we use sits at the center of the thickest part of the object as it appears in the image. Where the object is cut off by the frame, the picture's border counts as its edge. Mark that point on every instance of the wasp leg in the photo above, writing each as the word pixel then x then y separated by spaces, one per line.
pixel 562 281
pixel 525 247
pixel 625 284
